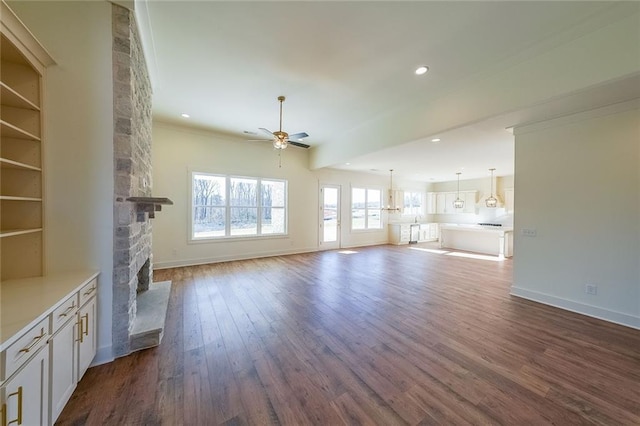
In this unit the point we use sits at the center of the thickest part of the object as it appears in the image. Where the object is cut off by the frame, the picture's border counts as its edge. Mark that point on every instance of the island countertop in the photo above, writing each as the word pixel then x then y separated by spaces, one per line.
pixel 475 228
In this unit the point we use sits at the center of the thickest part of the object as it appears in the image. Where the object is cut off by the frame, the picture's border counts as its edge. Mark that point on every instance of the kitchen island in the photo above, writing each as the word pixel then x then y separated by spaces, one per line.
pixel 493 240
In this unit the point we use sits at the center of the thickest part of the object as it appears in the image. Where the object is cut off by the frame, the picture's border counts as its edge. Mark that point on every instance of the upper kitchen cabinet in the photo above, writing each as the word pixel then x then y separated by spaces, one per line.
pixel 431 203
pixel 509 200
pixel 23 61
pixel 444 202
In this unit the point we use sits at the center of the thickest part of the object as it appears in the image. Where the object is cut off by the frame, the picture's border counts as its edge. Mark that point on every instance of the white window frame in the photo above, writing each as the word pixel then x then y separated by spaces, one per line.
pixel 366 189
pixel 227 209
pixel 406 211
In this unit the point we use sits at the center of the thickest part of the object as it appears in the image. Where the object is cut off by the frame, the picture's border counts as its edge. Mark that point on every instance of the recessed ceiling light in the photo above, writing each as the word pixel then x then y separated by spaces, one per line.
pixel 422 70
pixel 185 115
pixel 435 140
pixel 347 164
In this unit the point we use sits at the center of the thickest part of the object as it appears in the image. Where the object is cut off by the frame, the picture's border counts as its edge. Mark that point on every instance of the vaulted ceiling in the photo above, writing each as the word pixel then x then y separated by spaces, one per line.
pixel 347 71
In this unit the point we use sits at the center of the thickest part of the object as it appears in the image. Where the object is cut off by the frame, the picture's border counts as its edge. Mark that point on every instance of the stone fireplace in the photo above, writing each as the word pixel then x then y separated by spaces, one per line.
pixel 132 258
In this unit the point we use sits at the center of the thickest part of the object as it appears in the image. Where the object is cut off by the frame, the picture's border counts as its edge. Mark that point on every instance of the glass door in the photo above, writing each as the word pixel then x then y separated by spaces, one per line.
pixel 329 217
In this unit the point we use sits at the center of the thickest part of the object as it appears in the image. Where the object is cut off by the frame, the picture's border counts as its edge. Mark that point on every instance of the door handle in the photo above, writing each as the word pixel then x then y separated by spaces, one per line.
pixel 18 419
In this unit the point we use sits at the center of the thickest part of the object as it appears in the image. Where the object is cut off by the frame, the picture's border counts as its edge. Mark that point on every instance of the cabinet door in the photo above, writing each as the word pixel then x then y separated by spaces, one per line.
pixel 469 202
pixel 25 397
pixel 87 336
pixel 433 231
pixel 431 203
pixel 440 203
pixel 449 198
pixel 508 200
pixel 405 233
pixel 64 359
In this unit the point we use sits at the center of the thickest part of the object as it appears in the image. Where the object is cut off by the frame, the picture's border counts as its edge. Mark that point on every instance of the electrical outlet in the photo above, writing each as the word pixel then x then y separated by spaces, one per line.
pixel 528 232
pixel 591 289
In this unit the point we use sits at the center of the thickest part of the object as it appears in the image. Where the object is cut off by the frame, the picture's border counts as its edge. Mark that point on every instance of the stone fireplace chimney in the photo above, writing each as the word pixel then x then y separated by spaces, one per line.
pixel 132 258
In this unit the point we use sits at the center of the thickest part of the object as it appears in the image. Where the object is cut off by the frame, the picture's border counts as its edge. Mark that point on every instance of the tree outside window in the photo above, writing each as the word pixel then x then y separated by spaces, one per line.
pixel 412 203
pixel 366 207
pixel 229 206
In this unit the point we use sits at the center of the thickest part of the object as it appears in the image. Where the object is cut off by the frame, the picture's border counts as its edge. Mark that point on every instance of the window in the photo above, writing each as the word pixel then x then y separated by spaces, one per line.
pixel 412 203
pixel 230 206
pixel 366 208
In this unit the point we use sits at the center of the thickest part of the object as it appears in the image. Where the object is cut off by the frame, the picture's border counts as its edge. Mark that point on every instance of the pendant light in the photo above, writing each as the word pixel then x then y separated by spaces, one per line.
pixel 391 205
pixel 458 203
pixel 491 201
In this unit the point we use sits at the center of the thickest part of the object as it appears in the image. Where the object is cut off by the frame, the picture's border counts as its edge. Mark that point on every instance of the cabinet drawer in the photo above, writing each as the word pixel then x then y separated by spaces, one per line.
pixel 88 291
pixel 64 312
pixel 20 351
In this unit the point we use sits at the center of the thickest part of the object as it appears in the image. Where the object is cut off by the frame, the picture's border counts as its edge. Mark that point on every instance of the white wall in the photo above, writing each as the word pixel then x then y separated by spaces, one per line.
pixel 177 150
pixel 578 185
pixel 78 144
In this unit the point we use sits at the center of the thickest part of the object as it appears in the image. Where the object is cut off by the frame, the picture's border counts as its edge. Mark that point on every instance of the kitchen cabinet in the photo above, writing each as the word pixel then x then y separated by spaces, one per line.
pixel 24 396
pixel 431 203
pixel 400 233
pixel 87 342
pixel 432 232
pixel 444 202
pixel 509 200
pixel 479 239
pixel 469 198
pixel 52 320
pixel 64 357
pixel 73 346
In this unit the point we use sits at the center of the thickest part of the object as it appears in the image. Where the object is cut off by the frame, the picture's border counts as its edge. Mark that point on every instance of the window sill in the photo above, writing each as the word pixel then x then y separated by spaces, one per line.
pixel 236 238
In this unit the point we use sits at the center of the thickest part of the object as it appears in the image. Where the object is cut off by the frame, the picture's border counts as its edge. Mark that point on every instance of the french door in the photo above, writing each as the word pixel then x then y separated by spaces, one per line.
pixel 329 216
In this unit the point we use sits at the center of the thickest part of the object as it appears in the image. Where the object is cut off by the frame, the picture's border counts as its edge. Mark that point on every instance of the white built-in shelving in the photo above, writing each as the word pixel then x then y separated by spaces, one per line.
pixel 23 61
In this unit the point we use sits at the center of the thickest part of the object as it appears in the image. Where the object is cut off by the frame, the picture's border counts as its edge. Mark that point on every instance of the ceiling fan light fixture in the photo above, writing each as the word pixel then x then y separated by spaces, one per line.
pixel 279 143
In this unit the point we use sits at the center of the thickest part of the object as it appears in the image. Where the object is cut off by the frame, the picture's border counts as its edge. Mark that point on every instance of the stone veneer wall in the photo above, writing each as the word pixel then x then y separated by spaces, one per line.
pixel 132 157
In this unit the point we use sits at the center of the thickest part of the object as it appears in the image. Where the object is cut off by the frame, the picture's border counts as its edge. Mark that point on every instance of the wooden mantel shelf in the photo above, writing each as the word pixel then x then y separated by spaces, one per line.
pixel 148 205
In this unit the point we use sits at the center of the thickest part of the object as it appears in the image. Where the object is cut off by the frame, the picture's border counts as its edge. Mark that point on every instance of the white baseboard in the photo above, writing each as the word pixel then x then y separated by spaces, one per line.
pixel 104 355
pixel 229 258
pixel 371 244
pixel 577 307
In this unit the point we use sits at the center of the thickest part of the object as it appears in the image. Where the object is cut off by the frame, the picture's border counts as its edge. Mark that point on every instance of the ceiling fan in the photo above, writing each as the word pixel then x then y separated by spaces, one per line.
pixel 282 139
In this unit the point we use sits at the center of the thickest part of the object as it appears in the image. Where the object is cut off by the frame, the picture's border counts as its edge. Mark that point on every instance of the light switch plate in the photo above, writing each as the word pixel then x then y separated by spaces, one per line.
pixel 528 232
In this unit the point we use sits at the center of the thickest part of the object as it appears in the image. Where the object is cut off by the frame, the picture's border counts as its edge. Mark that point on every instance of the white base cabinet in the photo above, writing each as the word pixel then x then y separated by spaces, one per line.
pixel 87 342
pixel 25 396
pixel 73 346
pixel 64 361
pixel 400 233
pixel 47 342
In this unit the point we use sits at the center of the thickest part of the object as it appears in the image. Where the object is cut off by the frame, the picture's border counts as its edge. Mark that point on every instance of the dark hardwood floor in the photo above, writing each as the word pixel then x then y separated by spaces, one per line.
pixel 386 335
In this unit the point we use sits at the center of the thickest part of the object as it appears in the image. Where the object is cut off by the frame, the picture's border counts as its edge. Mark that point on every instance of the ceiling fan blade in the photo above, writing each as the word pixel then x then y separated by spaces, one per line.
pixel 269 132
pixel 301 145
pixel 298 136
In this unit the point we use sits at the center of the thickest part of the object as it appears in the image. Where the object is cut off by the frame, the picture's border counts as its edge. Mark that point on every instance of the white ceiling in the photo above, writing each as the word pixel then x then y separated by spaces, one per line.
pixel 346 69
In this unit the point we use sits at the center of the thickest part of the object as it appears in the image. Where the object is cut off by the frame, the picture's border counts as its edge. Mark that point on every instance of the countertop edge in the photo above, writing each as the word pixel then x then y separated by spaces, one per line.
pixel 79 277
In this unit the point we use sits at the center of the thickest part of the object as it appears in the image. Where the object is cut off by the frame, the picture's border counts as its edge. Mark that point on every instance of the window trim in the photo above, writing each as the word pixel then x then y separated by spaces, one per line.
pixel 366 209
pixel 227 209
pixel 422 203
